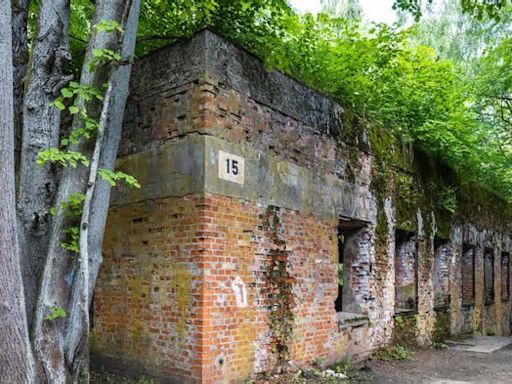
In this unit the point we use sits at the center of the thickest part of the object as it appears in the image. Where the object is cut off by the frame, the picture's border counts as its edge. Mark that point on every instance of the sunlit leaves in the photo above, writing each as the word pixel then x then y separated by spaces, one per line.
pixel 74 205
pixel 112 177
pixel 108 26
pixel 101 57
pixel 64 158
pixel 72 245
pixel 482 8
pixel 476 8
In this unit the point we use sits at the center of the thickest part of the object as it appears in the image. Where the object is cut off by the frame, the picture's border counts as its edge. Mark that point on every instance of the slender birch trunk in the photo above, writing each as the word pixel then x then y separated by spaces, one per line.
pixel 101 197
pixel 16 361
pixel 41 127
pixel 97 197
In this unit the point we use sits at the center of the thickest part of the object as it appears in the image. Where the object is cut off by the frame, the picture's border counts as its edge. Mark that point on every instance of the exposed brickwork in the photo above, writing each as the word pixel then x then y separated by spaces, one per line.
pixel 382 278
pixel 468 275
pixel 455 287
pixel 209 281
pixel 182 302
pixel 442 260
pixel 505 276
pixel 405 272
pixel 147 304
pixel 426 318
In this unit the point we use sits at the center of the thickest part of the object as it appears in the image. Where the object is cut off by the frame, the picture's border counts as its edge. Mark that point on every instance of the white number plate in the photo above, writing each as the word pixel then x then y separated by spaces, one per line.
pixel 231 167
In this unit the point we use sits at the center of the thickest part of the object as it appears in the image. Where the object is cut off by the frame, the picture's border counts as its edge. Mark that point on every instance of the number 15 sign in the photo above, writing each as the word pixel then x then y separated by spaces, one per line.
pixel 231 167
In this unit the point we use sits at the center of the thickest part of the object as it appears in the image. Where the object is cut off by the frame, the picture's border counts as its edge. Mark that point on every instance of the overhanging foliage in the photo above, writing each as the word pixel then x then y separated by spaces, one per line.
pixel 375 73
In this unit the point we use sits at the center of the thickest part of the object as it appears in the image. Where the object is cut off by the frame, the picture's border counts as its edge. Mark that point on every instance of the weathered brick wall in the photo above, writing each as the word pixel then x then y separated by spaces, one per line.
pixel 147 304
pixel 209 280
pixel 357 295
pixel 405 272
pixel 382 278
pixel 442 260
pixel 468 275
pixel 425 291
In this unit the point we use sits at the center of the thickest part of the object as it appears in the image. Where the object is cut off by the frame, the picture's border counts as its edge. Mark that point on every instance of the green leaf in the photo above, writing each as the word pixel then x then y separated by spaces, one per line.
pixel 66 93
pixel 64 158
pixel 112 177
pixel 58 104
pixel 56 313
pixel 74 236
pixel 73 206
pixel 108 26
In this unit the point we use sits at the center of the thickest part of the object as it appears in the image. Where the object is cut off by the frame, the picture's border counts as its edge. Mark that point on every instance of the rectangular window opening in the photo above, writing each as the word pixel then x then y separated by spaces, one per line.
pixel 505 276
pixel 406 272
pixel 441 276
pixel 468 275
pixel 488 276
pixel 353 267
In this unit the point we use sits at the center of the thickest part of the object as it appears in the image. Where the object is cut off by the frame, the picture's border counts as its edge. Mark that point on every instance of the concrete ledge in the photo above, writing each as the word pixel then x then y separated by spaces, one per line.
pixel 273 181
pixel 191 165
pixel 173 169
pixel 347 320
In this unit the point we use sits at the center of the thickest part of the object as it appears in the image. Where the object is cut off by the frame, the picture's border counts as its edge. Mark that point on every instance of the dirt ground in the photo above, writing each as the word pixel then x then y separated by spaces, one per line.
pixel 427 366
pixel 446 366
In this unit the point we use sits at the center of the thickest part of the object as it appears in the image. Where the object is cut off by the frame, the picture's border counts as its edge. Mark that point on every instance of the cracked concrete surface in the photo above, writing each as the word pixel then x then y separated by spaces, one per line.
pixel 482 344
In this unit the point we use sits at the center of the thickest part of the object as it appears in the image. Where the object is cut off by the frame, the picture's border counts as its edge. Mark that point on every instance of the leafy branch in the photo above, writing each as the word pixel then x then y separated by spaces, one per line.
pixel 112 177
pixel 64 158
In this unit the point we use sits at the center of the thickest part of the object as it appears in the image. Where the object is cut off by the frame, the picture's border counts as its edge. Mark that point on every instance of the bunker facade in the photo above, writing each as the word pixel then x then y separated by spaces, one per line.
pixel 266 237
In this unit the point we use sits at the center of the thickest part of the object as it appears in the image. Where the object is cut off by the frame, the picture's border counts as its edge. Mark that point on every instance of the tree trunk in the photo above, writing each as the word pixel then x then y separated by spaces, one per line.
pixel 41 126
pixel 78 329
pixel 19 58
pixel 62 269
pixel 97 199
pixel 101 197
pixel 16 361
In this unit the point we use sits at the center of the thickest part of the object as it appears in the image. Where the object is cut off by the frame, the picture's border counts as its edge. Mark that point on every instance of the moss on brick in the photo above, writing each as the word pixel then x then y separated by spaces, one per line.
pixel 405 330
pixel 442 326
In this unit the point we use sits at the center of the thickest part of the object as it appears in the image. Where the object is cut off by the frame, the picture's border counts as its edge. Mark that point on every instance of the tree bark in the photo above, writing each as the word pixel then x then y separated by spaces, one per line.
pixel 16 360
pixel 97 199
pixel 19 58
pixel 41 126
pixel 61 268
pixel 78 329
pixel 101 197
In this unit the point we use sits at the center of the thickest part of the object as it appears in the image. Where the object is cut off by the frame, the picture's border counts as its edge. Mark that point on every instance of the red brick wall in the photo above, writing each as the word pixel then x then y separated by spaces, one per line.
pixel 287 264
pixel 166 302
pixel 147 303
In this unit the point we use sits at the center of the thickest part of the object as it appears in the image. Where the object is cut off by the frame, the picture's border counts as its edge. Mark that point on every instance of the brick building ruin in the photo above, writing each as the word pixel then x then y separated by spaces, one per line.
pixel 257 202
